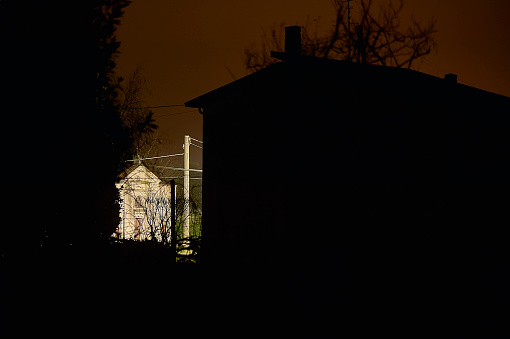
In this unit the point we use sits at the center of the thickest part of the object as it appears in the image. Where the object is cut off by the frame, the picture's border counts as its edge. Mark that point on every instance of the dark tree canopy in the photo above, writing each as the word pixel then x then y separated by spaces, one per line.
pixel 137 119
pixel 373 36
pixel 64 134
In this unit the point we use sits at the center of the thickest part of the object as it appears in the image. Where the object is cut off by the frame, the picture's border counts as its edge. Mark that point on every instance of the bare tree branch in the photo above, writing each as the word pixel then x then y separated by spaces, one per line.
pixel 138 121
pixel 373 38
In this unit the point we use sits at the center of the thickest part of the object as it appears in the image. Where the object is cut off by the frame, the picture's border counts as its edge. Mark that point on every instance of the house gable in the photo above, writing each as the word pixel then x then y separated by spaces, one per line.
pixel 144 205
pixel 137 172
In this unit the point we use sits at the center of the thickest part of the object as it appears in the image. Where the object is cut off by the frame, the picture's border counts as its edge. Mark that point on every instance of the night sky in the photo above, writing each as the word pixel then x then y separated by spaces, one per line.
pixel 188 48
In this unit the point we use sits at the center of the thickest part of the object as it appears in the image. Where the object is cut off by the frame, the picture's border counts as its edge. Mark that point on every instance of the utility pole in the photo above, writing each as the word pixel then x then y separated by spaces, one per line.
pixel 185 230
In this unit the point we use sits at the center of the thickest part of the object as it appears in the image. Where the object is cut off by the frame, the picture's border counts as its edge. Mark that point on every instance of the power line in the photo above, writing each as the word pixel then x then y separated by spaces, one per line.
pixel 197 140
pixel 179 169
pixel 165 115
pixel 196 146
pixel 180 178
pixel 150 107
pixel 162 156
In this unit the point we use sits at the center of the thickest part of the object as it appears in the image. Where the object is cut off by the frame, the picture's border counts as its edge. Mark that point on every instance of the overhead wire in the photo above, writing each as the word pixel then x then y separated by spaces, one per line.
pixel 163 106
pixel 158 157
pixel 172 155
pixel 179 169
pixel 197 140
pixel 179 178
pixel 166 115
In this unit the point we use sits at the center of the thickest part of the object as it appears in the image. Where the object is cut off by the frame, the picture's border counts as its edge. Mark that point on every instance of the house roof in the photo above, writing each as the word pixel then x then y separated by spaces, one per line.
pixel 128 171
pixel 132 169
pixel 310 71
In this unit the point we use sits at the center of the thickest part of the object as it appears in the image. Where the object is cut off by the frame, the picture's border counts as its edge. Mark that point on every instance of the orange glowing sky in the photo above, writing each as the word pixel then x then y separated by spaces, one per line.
pixel 185 47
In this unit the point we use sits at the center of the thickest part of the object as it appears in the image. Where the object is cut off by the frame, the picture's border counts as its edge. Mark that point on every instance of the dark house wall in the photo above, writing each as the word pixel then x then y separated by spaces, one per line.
pixel 309 157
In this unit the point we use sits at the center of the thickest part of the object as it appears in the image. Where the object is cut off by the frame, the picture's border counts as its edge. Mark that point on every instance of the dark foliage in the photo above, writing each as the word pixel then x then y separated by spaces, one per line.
pixel 137 119
pixel 61 117
pixel 97 287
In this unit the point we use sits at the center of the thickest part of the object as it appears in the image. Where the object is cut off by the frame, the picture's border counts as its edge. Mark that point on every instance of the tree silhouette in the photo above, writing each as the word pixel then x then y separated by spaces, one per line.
pixel 59 61
pixel 136 118
pixel 371 37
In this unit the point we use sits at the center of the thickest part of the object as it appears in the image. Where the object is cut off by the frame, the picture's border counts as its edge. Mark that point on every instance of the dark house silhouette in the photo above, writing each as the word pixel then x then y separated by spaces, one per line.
pixel 311 159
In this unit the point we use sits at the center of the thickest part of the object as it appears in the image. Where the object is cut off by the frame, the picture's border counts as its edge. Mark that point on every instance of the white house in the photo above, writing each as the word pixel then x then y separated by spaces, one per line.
pixel 144 206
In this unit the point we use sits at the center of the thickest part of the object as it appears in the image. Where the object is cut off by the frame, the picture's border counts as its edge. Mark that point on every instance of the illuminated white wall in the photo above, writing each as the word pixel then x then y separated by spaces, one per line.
pixel 144 206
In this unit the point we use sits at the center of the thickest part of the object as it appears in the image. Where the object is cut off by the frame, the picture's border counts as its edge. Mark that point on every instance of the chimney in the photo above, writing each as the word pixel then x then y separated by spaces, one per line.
pixel 450 78
pixel 292 42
